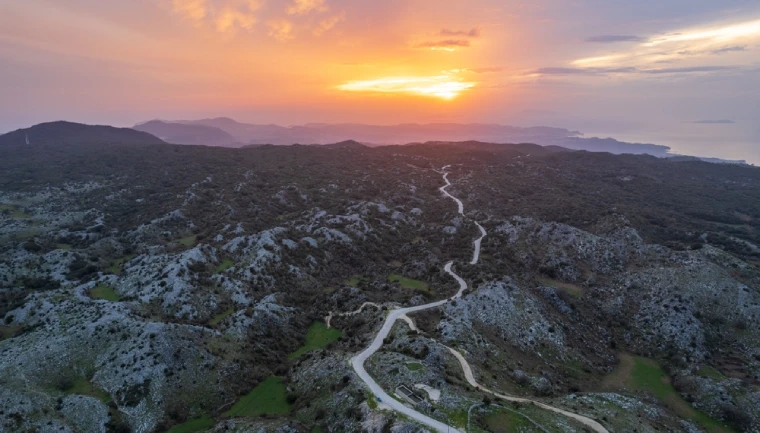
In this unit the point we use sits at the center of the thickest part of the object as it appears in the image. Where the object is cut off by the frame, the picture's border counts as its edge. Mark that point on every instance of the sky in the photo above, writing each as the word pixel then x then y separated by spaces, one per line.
pixel 680 72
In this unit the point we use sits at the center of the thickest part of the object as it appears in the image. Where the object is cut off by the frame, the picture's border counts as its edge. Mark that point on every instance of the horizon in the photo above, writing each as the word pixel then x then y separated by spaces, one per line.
pixel 674 147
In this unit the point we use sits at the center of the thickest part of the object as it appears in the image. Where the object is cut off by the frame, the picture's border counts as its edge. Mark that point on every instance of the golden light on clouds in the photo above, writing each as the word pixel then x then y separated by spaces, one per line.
pixel 224 16
pixel 722 34
pixel 590 61
pixel 701 47
pixel 440 86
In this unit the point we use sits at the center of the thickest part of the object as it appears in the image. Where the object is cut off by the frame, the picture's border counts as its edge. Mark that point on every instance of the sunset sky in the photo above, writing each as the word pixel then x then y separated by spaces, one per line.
pixel 689 67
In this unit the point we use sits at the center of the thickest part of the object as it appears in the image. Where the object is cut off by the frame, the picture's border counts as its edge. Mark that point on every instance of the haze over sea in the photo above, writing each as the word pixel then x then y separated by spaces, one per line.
pixel 706 143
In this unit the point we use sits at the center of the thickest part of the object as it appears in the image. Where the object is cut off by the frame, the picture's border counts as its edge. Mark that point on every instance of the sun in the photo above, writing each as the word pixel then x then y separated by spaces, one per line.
pixel 439 86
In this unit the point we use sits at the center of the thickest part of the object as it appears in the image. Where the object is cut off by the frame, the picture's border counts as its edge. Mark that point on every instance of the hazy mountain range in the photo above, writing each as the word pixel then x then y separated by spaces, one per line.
pixel 228 132
pixel 225 132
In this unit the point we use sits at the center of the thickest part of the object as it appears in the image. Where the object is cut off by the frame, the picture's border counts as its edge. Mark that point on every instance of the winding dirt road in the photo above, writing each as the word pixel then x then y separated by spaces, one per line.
pixel 588 422
pixel 358 361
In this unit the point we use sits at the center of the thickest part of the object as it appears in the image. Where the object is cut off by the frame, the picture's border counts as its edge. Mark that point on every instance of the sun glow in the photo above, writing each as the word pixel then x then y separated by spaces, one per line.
pixel 441 86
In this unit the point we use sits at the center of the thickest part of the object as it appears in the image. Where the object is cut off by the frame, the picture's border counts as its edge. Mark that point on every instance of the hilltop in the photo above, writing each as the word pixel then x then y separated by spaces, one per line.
pixel 62 132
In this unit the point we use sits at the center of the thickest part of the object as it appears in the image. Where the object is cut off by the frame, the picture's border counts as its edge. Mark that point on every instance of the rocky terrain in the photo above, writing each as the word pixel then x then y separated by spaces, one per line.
pixel 149 287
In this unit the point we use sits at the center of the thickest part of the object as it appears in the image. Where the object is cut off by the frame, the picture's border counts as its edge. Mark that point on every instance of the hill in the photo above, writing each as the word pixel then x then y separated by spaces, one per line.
pixel 68 132
pixel 325 133
pixel 180 133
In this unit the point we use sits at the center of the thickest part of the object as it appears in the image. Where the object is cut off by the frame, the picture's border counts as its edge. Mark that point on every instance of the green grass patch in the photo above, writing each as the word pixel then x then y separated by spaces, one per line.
pixel 409 283
pixel 13 211
pixel 707 371
pixel 317 337
pixel 354 281
pixel 457 416
pixel 64 246
pixel 317 429
pixel 647 375
pixel 21 236
pixel 507 422
pixel 414 366
pixel 571 289
pixel 115 268
pixel 644 374
pixel 269 397
pixel 372 401
pixel 226 264
pixel 82 386
pixel 102 291
pixel 188 241
pixel 216 320
pixel 194 425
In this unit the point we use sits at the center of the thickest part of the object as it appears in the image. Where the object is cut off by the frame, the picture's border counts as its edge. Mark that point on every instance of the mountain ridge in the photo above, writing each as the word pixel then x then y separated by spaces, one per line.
pixel 326 133
pixel 180 133
pixel 79 133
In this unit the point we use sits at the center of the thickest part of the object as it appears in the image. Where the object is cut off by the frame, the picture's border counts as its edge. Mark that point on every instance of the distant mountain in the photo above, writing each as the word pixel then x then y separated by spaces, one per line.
pixel 69 132
pixel 348 144
pixel 184 133
pixel 322 133
pixel 686 158
pixel 517 150
pixel 613 146
pixel 248 133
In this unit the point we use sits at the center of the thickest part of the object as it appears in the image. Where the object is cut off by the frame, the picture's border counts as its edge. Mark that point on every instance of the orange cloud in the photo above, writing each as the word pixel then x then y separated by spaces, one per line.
pixel 472 33
pixel 192 9
pixel 222 15
pixel 302 7
pixel 327 25
pixel 447 45
pixel 282 30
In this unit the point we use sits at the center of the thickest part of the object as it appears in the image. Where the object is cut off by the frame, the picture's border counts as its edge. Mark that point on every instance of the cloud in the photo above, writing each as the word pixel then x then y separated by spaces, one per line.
pixel 609 39
pixel 485 70
pixel 697 47
pixel 731 49
pixel 715 122
pixel 689 70
pixel 447 45
pixel 628 70
pixel 191 9
pixel 282 30
pixel 221 15
pixel 303 7
pixel 327 24
pixel 723 33
pixel 472 33
pixel 582 71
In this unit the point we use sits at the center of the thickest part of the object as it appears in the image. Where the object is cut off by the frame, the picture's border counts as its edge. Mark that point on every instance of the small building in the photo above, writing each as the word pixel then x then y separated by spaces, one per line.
pixel 406 394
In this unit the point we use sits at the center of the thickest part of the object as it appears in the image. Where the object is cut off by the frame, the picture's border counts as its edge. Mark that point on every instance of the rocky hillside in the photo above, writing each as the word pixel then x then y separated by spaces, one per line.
pixel 172 288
